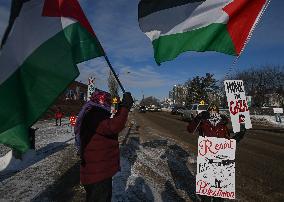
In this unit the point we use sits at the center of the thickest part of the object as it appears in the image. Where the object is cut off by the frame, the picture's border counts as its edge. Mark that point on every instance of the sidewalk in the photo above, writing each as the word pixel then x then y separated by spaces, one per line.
pixel 153 168
pixel 54 146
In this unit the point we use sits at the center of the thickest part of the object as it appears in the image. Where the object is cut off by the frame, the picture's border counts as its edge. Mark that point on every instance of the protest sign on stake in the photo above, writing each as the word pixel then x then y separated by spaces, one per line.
pixel 91 87
pixel 216 167
pixel 237 104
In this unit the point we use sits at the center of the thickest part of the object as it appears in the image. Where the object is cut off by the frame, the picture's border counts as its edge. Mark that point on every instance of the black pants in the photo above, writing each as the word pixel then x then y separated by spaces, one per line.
pixel 99 192
pixel 56 120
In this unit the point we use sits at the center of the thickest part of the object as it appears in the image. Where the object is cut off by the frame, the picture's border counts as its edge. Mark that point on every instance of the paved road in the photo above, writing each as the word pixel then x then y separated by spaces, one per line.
pixel 259 157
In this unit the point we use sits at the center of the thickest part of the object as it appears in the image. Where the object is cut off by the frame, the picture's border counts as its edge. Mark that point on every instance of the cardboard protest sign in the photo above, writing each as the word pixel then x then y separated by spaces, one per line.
pixel 237 104
pixel 216 167
pixel 91 87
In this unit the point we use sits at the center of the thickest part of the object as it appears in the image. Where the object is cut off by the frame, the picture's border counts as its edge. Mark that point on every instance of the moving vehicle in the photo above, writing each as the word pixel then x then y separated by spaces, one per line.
pixel 142 109
pixel 154 108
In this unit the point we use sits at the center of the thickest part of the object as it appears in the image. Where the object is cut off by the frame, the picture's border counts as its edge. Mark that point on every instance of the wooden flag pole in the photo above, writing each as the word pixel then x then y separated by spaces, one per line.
pixel 115 75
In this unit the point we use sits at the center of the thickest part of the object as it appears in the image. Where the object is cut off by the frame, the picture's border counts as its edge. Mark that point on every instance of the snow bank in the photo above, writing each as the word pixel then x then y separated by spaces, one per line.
pixel 266 119
pixel 166 109
pixel 24 179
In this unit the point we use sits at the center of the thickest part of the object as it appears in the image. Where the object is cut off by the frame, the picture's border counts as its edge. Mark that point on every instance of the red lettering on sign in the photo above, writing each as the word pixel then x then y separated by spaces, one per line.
pixel 207 146
pixel 202 186
pixel 238 106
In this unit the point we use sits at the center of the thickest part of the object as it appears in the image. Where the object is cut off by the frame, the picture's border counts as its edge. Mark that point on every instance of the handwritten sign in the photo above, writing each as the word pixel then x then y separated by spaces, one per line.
pixel 216 167
pixel 278 110
pixel 237 104
pixel 91 87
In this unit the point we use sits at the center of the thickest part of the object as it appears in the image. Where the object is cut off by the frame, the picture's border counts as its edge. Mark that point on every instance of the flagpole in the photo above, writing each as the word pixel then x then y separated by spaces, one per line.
pixel 115 75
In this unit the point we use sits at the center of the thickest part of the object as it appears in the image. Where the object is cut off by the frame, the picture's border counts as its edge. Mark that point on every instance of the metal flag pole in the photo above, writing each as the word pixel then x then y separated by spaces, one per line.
pixel 115 75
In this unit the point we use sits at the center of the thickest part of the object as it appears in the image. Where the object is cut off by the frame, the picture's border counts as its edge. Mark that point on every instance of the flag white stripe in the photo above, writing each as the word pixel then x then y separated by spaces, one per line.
pixel 30 30
pixel 211 11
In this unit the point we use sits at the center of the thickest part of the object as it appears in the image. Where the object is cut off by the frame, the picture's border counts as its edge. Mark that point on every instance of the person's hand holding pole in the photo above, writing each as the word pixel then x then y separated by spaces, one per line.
pixel 127 101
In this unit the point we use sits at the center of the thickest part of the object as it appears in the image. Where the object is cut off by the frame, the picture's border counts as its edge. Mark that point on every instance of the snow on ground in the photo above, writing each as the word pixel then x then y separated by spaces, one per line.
pixel 156 169
pixel 166 109
pixel 267 120
pixel 22 181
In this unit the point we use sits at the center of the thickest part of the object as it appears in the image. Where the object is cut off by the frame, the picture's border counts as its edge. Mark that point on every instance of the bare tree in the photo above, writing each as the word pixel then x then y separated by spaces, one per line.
pixel 112 85
pixel 150 101
pixel 263 83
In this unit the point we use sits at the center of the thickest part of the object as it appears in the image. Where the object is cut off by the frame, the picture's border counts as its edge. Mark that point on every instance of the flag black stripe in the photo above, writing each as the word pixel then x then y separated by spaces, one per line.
pixel 167 19
pixel 147 7
pixel 16 6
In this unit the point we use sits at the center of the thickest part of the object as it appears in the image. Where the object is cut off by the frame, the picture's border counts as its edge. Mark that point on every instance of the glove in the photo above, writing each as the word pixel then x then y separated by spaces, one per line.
pixel 202 116
pixel 127 101
pixel 240 135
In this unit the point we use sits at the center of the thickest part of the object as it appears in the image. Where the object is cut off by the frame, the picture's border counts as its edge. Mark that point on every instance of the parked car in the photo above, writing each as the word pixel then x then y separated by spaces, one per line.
pixel 158 109
pixel 142 109
pixel 154 108
pixel 177 110
pixel 191 112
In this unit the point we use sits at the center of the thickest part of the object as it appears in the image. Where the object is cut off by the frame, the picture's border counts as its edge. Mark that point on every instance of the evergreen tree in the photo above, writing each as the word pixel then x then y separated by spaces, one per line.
pixel 202 88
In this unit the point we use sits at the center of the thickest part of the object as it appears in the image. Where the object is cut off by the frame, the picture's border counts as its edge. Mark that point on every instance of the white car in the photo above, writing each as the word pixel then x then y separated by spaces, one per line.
pixel 191 112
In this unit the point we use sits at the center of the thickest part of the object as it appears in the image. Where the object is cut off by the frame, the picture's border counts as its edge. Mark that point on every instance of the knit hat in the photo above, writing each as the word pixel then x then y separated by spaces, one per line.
pixel 101 99
pixel 213 107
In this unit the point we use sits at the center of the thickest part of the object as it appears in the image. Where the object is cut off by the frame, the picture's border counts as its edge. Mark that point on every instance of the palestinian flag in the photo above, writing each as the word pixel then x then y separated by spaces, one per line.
pixel 38 62
pixel 198 25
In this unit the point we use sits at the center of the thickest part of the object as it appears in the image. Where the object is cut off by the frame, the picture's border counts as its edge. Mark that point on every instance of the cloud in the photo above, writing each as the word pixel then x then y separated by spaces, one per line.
pixel 96 68
pixel 132 77
pixel 143 77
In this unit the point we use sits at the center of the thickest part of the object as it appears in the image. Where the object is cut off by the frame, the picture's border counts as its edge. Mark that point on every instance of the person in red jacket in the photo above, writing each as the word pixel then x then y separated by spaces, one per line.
pixel 99 147
pixel 58 116
pixel 211 123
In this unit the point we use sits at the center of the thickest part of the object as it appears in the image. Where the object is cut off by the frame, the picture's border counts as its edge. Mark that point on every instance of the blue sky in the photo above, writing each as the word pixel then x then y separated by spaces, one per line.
pixel 129 50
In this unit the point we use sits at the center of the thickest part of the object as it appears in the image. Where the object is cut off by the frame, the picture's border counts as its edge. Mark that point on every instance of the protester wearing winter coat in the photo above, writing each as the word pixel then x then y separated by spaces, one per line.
pixel 99 147
pixel 211 123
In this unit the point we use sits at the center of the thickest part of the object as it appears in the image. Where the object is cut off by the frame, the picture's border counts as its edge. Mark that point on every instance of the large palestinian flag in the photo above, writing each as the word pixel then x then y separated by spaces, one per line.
pixel 176 26
pixel 38 62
